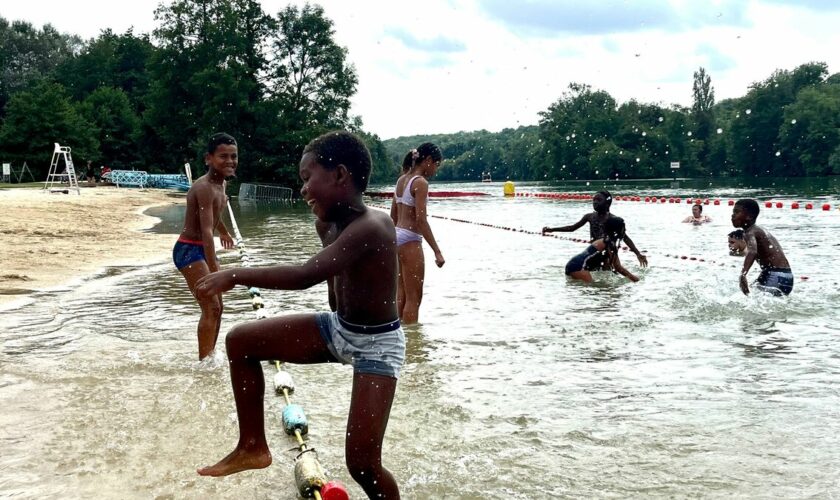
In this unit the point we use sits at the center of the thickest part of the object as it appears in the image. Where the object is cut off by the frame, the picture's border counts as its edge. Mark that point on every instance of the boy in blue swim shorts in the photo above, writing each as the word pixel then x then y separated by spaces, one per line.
pixel 195 252
pixel 359 264
pixel 776 276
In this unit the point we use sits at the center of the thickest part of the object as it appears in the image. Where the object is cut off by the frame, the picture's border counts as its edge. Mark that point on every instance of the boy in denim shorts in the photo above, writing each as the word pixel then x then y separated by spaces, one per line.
pixel 359 264
pixel 776 277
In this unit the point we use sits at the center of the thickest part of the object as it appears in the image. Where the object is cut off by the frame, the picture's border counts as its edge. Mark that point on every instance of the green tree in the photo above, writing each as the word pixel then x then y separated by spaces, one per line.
pixel 37 118
pixel 754 131
pixel 206 77
pixel 702 112
pixel 109 110
pixel 810 133
pixel 28 55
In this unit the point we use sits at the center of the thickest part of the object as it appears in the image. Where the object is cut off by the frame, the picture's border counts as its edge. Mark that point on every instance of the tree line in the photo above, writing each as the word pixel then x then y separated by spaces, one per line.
pixel 149 101
pixel 786 125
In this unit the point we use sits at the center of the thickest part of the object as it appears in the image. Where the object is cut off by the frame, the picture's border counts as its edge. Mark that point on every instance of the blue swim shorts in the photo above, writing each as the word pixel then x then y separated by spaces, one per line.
pixel 378 349
pixel 776 280
pixel 186 252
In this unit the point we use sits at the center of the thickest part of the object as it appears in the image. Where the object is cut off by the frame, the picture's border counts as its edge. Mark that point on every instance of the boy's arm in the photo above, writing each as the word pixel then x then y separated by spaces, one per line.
pixel 642 259
pixel 623 271
pixel 350 245
pixel 749 258
pixel 204 198
pixel 567 229
pixel 323 229
pixel 421 197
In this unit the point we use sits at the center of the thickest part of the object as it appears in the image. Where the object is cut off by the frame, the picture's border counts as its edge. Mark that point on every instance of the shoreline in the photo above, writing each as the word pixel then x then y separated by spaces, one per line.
pixel 47 240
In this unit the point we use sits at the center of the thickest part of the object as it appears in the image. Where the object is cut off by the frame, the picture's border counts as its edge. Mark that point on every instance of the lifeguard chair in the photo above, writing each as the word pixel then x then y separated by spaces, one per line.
pixel 68 175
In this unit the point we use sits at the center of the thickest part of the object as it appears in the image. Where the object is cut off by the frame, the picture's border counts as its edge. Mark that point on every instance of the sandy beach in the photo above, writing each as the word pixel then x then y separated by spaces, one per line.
pixel 48 239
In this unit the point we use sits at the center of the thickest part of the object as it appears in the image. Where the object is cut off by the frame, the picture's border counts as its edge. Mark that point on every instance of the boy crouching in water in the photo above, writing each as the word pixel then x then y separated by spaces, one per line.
pixel 359 264
pixel 776 276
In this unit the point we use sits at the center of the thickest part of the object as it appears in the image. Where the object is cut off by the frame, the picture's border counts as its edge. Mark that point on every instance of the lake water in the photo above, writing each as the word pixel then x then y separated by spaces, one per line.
pixel 517 384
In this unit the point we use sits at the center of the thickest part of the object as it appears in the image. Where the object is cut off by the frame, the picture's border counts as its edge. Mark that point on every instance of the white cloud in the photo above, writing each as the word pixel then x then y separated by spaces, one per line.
pixel 436 66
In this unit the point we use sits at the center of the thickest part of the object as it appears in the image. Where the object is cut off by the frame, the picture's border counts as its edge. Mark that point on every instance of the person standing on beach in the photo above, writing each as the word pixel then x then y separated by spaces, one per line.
pixel 601 203
pixel 195 251
pixel 409 213
pixel 359 263
pixel 776 277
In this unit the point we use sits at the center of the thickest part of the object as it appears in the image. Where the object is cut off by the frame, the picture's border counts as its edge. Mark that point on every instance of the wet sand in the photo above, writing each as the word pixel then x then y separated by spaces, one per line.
pixel 47 239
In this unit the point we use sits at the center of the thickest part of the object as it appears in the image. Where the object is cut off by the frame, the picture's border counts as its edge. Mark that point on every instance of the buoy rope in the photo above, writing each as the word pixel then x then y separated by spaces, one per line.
pixel 654 199
pixel 254 292
pixel 576 240
pixel 309 476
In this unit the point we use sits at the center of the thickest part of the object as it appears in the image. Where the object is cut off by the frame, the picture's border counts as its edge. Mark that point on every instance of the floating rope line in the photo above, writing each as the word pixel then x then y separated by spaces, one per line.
pixel 310 479
pixel 254 292
pixel 569 238
pixel 795 205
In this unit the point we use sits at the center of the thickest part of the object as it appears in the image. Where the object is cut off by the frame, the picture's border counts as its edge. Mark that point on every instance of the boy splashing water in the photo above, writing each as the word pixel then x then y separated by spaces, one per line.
pixel 776 276
pixel 359 264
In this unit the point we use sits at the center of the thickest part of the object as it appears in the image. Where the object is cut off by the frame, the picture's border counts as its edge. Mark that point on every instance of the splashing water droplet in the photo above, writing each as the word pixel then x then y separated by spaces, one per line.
pixel 720 131
pixel 748 111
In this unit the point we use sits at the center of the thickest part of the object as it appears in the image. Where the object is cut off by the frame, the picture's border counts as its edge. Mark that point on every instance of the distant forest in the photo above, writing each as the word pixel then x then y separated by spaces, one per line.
pixel 786 126
pixel 149 102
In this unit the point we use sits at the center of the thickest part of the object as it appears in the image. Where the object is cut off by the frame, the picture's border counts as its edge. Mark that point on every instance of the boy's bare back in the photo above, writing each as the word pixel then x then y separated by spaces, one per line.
pixel 769 252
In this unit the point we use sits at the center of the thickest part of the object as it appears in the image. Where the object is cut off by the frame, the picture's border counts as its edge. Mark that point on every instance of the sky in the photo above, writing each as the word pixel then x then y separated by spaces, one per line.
pixel 443 66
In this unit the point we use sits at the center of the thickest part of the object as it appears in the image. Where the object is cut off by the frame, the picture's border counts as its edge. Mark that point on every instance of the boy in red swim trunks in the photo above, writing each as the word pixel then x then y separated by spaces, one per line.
pixel 195 253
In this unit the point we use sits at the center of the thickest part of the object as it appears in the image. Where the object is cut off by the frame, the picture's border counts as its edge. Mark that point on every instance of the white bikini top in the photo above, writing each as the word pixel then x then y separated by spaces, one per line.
pixel 407 198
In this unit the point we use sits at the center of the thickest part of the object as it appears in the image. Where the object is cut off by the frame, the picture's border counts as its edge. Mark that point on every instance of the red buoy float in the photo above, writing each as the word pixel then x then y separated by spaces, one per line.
pixel 333 490
pixel 794 205
pixel 779 204
pixel 809 206
pixel 826 207
pixel 768 204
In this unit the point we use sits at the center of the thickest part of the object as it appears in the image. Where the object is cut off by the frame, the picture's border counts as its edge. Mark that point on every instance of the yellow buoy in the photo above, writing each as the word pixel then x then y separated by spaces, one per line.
pixel 510 190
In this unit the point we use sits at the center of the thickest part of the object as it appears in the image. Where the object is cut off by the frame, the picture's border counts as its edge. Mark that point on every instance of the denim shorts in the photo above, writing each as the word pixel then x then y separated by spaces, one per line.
pixel 776 280
pixel 378 349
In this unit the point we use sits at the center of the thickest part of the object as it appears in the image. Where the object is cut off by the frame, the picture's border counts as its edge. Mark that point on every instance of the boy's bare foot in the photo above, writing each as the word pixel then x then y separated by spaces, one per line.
pixel 237 461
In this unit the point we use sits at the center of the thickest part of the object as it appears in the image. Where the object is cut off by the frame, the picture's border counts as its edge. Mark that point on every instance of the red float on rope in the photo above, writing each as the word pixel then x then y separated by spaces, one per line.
pixel 794 205
pixel 809 206
pixel 826 207
pixel 717 202
pixel 768 204
pixel 779 204
pixel 731 202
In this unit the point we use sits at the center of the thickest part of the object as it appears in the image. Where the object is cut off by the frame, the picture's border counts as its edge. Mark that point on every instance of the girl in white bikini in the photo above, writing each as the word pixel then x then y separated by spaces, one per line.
pixel 408 210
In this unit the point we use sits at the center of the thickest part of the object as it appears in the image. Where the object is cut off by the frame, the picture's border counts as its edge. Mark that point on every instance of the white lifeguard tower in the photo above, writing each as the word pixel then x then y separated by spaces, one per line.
pixel 68 174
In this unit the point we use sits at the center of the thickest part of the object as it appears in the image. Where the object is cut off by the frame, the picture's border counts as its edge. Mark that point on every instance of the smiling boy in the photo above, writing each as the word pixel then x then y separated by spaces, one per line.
pixel 359 264
pixel 194 253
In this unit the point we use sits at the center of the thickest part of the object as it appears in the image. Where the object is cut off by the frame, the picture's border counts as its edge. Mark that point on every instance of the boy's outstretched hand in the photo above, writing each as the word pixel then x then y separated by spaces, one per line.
pixel 214 284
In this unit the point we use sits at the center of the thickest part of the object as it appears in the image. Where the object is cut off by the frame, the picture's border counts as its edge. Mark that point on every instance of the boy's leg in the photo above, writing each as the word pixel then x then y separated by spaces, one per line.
pixel 412 268
pixel 211 309
pixel 295 338
pixel 370 407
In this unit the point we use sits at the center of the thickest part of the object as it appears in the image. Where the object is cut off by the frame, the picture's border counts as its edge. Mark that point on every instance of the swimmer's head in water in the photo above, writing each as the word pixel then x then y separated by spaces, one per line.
pixel 737 244
pixel 697 211
pixel 601 201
